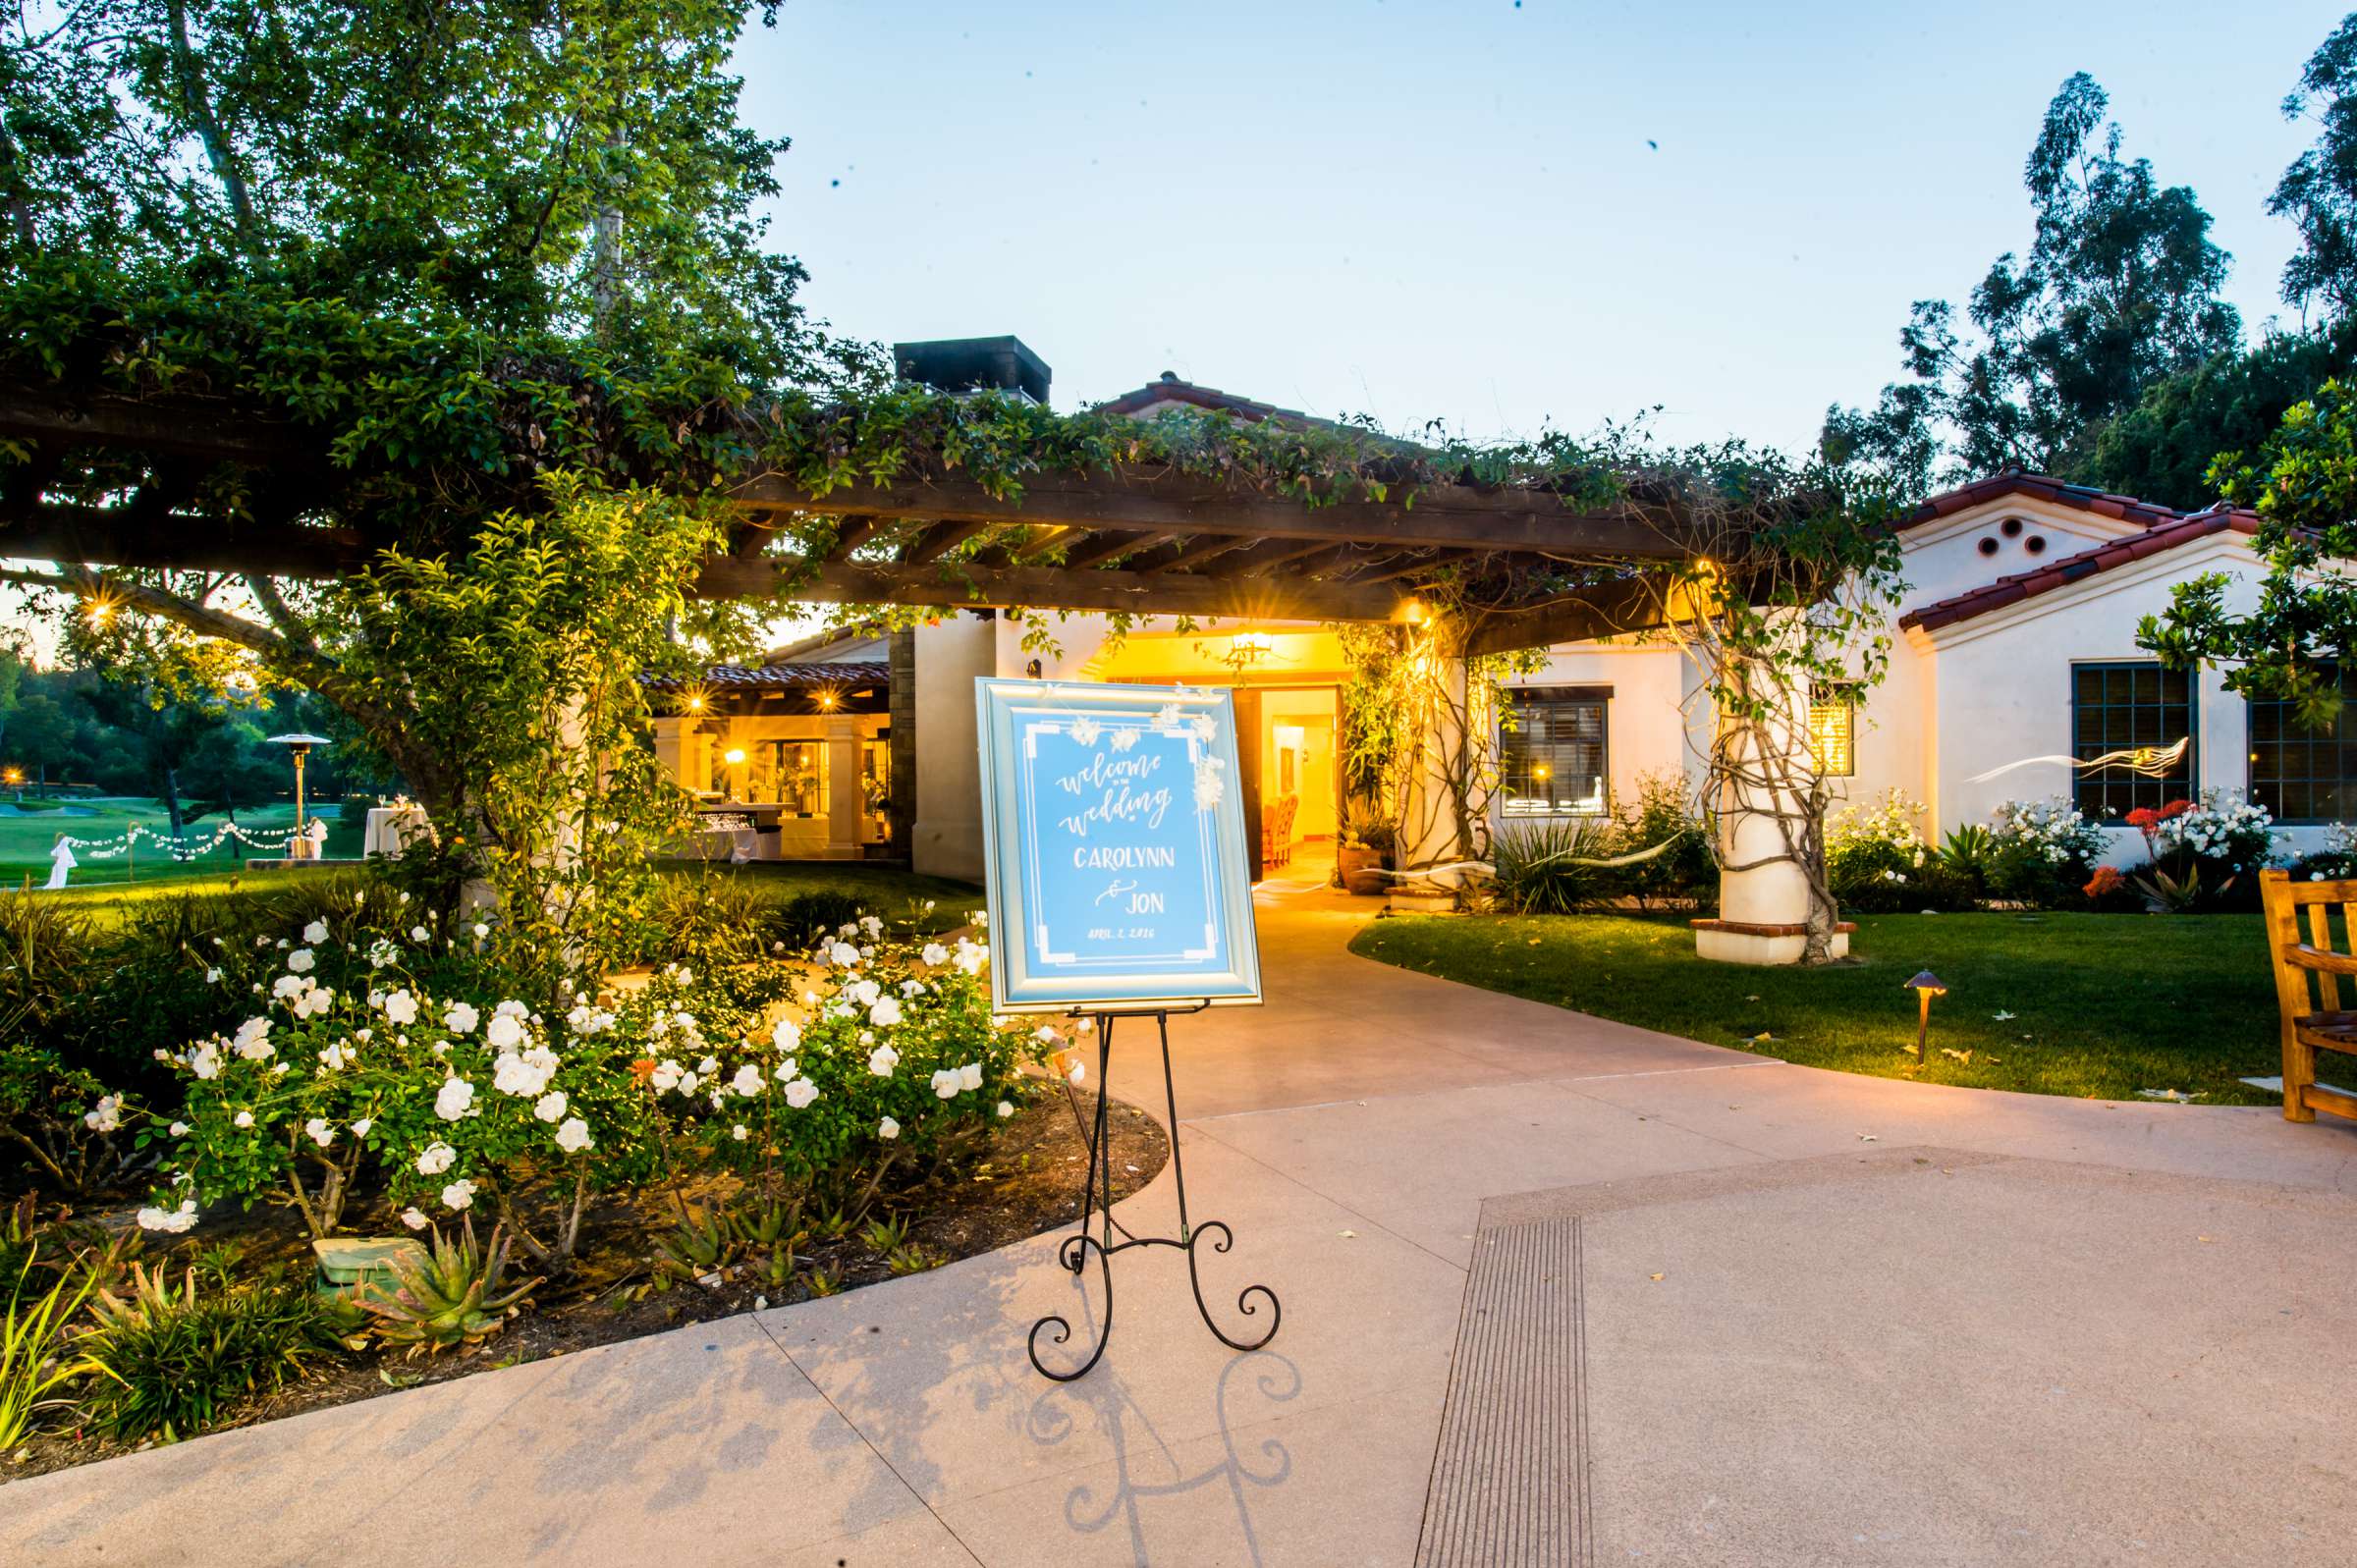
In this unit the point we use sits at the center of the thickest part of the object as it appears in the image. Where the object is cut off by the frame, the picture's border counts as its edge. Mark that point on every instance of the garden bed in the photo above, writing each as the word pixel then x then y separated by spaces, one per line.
pixel 1030 1183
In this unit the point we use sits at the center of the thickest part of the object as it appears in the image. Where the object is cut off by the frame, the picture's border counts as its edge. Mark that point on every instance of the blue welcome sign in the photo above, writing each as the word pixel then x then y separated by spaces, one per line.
pixel 1116 848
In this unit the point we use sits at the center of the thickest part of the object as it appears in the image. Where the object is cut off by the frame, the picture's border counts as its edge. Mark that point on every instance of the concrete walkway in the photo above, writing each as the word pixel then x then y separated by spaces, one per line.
pixel 1785 1316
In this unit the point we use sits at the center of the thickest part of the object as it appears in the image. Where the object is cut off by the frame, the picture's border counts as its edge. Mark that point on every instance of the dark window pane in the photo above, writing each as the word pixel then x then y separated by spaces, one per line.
pixel 2125 707
pixel 2300 774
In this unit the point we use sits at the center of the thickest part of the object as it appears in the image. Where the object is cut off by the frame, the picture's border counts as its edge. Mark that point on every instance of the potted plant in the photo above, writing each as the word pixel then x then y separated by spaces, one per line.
pixel 1364 856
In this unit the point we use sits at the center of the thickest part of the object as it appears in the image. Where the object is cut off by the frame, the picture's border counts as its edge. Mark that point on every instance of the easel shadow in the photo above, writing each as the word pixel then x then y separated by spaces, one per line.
pixel 1130 1431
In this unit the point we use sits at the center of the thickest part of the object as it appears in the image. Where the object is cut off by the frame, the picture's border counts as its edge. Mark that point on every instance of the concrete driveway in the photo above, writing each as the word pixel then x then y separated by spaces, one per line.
pixel 1555 1291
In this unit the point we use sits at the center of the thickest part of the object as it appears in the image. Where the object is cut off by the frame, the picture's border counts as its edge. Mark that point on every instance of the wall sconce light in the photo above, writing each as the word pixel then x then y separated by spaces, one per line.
pixel 1248 648
pixel 733 756
pixel 1412 612
pixel 1925 985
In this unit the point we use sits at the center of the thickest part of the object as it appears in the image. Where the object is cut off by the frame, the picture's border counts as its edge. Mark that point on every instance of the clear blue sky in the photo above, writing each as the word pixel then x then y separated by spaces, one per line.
pixel 1420 209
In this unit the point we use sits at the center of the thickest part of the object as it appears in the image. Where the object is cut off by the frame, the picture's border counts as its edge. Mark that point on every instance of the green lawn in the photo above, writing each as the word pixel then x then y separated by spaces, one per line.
pixel 2101 1006
pixel 27 834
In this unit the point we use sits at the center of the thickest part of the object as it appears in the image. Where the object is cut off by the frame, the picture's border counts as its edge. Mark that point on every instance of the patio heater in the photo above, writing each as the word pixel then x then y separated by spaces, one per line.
pixel 299 747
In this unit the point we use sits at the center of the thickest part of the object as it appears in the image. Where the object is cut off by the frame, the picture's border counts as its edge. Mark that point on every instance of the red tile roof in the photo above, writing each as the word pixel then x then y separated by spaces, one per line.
pixel 1169 388
pixel 2179 528
pixel 2015 482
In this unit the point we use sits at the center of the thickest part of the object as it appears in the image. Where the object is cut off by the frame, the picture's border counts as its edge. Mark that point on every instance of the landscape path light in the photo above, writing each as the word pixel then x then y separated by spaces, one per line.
pixel 1925 985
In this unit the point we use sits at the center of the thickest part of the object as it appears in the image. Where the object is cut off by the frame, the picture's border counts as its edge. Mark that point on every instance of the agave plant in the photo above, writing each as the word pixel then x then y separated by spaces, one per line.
pixel 771 1233
pixel 701 1246
pixel 452 1296
pixel 2164 894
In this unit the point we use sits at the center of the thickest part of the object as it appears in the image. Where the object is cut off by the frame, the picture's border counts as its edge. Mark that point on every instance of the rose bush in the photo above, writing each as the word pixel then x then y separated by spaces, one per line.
pixel 395 1054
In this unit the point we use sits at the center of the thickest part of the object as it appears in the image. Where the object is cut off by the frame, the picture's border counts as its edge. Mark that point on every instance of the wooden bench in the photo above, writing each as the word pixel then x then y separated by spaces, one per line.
pixel 2313 1020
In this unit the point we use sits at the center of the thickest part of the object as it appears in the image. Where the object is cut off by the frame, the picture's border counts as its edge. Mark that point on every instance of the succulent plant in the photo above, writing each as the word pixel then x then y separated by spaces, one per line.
pixel 770 1234
pixel 913 1257
pixel 452 1296
pixel 699 1247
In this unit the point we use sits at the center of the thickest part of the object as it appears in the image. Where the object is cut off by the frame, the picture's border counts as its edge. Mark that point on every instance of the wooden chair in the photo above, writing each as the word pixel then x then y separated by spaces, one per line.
pixel 2312 1021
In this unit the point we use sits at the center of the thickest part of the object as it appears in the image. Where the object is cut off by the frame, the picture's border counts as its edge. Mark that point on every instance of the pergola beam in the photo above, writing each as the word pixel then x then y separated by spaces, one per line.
pixel 973 585
pixel 1611 608
pixel 1177 503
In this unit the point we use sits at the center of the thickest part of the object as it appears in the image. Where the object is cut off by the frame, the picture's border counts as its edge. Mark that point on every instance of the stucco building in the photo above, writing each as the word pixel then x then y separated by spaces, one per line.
pixel 2013 651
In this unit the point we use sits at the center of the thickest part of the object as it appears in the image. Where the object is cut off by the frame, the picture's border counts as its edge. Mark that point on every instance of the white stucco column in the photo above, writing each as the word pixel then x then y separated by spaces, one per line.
pixel 844 800
pixel 1764 906
pixel 945 839
pixel 1428 826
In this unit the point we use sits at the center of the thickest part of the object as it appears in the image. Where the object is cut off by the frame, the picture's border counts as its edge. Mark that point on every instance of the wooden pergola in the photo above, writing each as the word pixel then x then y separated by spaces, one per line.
pixel 1138 539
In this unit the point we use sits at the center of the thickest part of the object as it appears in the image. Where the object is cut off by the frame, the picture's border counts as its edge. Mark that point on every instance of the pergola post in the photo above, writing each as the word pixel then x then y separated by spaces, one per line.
pixel 1431 846
pixel 1765 782
pixel 846 801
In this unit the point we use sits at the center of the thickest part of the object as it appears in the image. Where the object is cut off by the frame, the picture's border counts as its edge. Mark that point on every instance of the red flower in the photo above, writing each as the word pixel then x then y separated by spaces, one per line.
pixel 2105 879
pixel 2175 808
pixel 2143 819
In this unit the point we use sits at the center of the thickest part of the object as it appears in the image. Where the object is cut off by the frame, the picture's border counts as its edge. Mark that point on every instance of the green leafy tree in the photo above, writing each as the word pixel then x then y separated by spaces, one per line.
pixel 2319 191
pixel 2162 449
pixel 2285 642
pixel 501 259
pixel 2120 290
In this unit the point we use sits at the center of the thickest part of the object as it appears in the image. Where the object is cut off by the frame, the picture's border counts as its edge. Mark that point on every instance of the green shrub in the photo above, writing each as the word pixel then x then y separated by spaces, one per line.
pixel 809 917
pixel 171 1361
pixel 1683 876
pixel 35 1308
pixel 1548 866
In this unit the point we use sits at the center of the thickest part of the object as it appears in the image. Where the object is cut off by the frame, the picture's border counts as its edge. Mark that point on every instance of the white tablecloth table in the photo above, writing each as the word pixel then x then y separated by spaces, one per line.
pixel 390 827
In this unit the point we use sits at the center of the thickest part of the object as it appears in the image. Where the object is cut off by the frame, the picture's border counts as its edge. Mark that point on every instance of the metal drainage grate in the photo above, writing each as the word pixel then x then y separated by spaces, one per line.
pixel 1509 1476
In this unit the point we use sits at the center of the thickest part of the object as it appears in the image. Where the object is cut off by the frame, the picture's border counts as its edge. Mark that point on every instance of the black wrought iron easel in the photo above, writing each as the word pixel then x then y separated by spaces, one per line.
pixel 1096 1202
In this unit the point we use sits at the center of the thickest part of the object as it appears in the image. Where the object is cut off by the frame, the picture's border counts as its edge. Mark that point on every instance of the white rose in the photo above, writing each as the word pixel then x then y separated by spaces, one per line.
pixel 415 1220
pixel 1005 1111
pixel 787 1036
pixel 456 1095
pixel 935 954
pixel 801 1093
pixel 359 1128
pixel 882 1061
pixel 888 1129
pixel 969 1076
pixel 436 1158
pixel 173 1220
pixel 315 932
pixel 550 1107
pixel 243 1118
pixel 458 1195
pixel 884 1013
pixel 461 1017
pixel 504 1033
pixel 321 1133
pixel 401 1008
pixel 844 953
pixel 574 1136
pixel 748 1081
pixel 299 961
